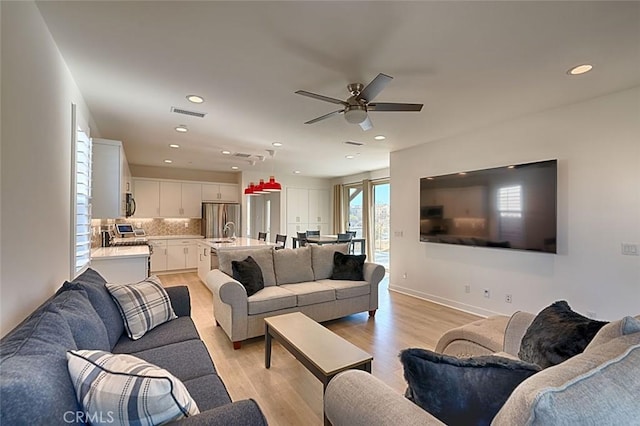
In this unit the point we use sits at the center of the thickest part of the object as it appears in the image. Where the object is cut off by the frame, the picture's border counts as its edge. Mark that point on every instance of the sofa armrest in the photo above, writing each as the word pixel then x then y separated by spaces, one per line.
pixel 230 304
pixel 180 300
pixel 373 274
pixel 356 398
pixel 239 413
pixel 515 330
pixel 482 337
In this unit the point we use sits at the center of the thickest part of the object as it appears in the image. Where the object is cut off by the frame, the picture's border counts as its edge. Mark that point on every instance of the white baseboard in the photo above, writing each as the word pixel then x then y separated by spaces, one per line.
pixel 445 302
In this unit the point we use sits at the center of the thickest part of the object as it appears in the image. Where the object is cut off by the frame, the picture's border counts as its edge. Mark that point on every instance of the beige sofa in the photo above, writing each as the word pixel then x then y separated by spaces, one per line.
pixel 295 280
pixel 597 387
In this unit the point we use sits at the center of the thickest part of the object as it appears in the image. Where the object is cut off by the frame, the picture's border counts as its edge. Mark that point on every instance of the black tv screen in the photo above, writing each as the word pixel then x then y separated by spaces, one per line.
pixel 510 207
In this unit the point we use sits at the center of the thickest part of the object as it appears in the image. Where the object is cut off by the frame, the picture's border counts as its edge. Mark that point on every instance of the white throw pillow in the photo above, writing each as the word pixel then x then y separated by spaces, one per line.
pixel 143 305
pixel 123 389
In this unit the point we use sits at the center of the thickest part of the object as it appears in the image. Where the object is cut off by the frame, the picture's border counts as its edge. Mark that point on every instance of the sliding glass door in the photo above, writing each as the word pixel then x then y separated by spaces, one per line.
pixel 381 222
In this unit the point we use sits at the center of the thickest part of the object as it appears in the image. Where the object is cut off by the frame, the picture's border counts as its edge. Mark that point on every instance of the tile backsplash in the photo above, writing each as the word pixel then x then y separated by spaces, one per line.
pixel 150 226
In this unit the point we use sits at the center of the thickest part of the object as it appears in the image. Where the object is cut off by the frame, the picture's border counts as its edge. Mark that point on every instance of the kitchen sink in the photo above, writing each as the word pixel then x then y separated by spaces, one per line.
pixel 222 241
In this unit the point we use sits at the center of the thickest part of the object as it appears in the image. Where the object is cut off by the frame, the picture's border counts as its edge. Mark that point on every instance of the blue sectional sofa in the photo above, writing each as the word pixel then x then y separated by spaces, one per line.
pixel 35 386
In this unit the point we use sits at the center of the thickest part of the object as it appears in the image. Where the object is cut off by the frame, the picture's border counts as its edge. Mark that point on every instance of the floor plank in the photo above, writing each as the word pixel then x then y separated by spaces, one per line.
pixel 289 394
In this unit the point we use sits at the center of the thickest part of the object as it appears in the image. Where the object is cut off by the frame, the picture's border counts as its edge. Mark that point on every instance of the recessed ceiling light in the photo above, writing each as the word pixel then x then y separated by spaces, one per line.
pixel 380 137
pixel 174 145
pixel 195 99
pixel 234 167
pixel 349 157
pixel 297 172
pixel 168 161
pixel 225 152
pixel 182 128
pixel 580 69
pixel 276 144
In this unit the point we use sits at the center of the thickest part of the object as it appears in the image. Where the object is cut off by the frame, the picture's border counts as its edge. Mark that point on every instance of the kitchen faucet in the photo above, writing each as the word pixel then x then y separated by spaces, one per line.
pixel 226 228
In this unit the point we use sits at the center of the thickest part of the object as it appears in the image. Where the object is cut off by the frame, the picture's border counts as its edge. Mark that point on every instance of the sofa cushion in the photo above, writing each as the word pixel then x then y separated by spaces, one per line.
pixel 293 265
pixel 101 300
pixel 130 390
pixel 143 305
pixel 185 360
pixel 348 266
pixel 613 330
pixel 35 386
pixel 556 334
pixel 271 299
pixel 347 289
pixel 208 391
pixel 597 387
pixel 262 256
pixel 86 326
pixel 311 293
pixel 461 390
pixel 322 259
pixel 248 273
pixel 180 329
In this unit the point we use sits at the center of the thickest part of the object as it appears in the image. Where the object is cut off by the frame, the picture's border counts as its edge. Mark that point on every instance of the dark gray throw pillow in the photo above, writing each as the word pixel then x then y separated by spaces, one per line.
pixel 461 391
pixel 348 267
pixel 249 274
pixel 556 334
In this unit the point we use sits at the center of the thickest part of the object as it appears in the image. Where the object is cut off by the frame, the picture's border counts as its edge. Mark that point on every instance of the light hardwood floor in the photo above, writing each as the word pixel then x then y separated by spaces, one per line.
pixel 289 394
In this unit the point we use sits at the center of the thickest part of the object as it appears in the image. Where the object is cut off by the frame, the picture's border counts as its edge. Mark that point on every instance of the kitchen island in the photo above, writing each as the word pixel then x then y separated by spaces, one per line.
pixel 121 264
pixel 208 251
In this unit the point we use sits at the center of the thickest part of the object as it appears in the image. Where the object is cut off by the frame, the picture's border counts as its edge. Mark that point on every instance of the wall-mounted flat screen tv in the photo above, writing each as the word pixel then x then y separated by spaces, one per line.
pixel 510 207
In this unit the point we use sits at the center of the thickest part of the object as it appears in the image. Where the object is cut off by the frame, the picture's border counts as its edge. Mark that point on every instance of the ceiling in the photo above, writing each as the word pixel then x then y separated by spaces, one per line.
pixel 472 64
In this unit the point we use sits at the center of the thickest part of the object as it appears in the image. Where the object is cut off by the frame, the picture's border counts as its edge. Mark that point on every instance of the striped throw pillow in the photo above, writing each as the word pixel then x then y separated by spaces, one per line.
pixel 122 389
pixel 143 305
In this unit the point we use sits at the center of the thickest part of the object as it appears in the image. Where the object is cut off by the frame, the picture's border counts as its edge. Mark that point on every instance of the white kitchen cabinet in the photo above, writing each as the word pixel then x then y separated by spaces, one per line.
pixel 147 196
pixel 180 199
pixel 111 179
pixel 318 206
pixel 220 192
pixel 297 205
pixel 159 255
pixel 182 254
pixel 204 261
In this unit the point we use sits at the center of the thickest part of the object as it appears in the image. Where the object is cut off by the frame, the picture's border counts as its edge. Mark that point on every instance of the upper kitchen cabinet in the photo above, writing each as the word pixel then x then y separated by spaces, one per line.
pixel 297 205
pixel 318 206
pixel 111 180
pixel 147 196
pixel 180 199
pixel 221 192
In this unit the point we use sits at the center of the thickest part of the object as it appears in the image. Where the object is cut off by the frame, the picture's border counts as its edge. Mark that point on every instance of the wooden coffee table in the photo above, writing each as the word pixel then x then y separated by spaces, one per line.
pixel 321 351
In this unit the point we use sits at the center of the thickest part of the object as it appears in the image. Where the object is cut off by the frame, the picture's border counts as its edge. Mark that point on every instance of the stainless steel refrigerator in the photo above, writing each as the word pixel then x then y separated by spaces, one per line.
pixel 220 220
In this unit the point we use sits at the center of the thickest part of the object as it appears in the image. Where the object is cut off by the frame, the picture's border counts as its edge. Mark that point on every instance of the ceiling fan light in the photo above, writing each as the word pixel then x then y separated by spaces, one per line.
pixel 272 185
pixel 356 114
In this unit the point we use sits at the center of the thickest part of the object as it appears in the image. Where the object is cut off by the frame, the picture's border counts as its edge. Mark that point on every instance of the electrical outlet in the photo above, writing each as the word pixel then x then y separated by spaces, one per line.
pixel 629 249
pixel 486 293
pixel 508 298
pixel 186 224
pixel 467 288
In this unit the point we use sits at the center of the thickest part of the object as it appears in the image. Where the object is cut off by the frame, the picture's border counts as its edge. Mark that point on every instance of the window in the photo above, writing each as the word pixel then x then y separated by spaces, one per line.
pixel 381 217
pixel 510 201
pixel 355 210
pixel 81 204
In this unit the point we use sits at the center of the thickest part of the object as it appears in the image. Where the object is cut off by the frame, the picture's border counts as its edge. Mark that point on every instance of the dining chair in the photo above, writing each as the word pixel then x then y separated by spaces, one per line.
pixel 313 233
pixel 346 238
pixel 302 239
pixel 262 236
pixel 280 239
pixel 353 235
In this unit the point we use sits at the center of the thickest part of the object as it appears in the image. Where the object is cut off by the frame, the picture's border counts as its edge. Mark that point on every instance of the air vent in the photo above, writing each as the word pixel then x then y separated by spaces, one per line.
pixel 187 112
pixel 354 143
pixel 241 155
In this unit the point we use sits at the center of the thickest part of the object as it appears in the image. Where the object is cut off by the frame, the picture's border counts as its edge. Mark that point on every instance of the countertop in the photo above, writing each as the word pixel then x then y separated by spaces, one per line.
pixel 119 252
pixel 238 243
pixel 174 237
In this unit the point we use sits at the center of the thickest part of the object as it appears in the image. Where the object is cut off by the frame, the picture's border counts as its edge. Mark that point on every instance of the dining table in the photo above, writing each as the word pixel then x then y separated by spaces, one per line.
pixel 331 239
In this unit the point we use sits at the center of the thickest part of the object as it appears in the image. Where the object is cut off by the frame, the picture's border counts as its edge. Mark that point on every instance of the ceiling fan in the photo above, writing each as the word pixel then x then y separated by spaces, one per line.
pixel 357 106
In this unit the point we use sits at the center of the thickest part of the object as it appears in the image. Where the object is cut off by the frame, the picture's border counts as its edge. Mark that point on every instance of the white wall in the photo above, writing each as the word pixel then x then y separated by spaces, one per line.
pixel 598 147
pixel 37 92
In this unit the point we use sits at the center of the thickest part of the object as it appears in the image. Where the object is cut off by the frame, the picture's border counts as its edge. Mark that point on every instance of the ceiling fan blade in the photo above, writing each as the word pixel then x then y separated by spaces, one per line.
pixel 387 106
pixel 375 87
pixel 366 124
pixel 322 117
pixel 321 97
